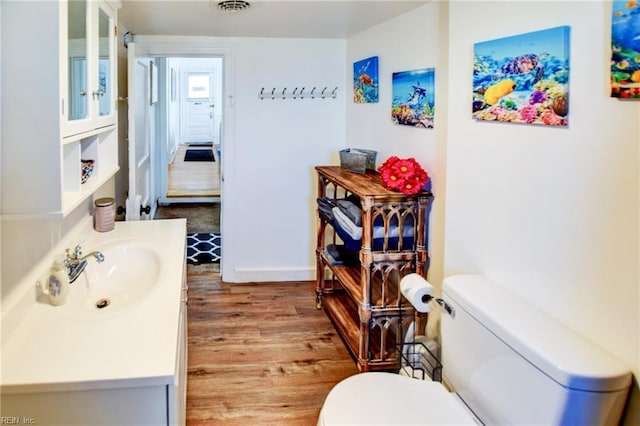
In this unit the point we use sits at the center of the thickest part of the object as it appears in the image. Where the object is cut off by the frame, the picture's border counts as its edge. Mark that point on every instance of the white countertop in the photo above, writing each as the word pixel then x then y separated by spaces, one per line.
pixel 45 349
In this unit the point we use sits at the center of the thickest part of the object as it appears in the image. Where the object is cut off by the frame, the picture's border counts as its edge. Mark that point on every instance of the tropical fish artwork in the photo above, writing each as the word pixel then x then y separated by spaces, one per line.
pixel 365 80
pixel 413 98
pixel 625 49
pixel 523 78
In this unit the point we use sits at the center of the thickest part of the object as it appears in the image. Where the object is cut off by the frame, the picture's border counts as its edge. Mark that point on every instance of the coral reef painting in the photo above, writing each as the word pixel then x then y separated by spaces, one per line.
pixel 625 49
pixel 523 78
pixel 365 80
pixel 413 98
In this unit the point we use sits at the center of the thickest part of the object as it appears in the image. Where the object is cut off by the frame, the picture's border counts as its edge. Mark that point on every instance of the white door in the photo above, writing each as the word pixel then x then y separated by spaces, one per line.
pixel 198 106
pixel 139 200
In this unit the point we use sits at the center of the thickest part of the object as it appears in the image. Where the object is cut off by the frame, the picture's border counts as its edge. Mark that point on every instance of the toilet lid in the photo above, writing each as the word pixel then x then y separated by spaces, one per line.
pixel 391 399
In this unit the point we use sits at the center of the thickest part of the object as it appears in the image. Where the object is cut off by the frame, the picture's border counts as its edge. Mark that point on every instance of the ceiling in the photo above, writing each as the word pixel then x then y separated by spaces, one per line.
pixel 265 18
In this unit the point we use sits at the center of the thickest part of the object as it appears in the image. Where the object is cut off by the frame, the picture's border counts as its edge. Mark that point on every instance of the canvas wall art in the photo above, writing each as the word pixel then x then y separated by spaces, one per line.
pixel 365 80
pixel 523 78
pixel 625 49
pixel 414 98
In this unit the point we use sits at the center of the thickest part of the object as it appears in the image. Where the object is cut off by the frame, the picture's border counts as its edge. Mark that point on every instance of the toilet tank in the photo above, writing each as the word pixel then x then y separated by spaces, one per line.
pixel 512 364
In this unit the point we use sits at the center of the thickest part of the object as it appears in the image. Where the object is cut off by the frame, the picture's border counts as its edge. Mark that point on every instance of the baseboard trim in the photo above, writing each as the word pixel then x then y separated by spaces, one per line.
pixel 165 201
pixel 245 275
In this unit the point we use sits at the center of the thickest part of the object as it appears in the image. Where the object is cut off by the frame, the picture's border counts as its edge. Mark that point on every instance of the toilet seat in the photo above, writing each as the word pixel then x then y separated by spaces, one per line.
pixel 375 398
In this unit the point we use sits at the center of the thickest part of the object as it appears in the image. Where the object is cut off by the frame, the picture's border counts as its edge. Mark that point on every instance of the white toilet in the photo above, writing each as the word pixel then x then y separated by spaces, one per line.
pixel 508 363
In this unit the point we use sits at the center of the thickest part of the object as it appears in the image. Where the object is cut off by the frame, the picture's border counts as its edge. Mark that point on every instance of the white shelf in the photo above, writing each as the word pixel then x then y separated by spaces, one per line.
pixel 71 200
pixel 75 138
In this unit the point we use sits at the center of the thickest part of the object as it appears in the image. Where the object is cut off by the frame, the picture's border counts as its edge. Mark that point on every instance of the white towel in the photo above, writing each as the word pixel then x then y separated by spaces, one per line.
pixel 347 224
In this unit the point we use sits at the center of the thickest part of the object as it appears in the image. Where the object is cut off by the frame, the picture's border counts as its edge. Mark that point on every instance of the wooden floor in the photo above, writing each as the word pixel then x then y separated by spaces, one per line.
pixel 259 354
pixel 193 178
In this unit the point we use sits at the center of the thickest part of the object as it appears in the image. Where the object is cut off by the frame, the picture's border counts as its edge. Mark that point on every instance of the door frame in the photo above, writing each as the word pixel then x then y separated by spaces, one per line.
pixel 173 46
pixel 139 83
pixel 164 116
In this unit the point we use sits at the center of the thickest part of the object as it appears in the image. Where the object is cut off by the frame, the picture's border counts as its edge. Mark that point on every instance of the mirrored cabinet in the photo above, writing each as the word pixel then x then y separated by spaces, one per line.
pixel 89 101
pixel 59 105
pixel 77 103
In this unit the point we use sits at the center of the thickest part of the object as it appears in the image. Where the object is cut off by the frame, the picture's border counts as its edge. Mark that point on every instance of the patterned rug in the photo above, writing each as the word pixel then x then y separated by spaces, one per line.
pixel 203 247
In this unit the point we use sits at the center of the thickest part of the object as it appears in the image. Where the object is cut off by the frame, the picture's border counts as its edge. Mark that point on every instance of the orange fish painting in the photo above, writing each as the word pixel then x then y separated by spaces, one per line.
pixel 365 80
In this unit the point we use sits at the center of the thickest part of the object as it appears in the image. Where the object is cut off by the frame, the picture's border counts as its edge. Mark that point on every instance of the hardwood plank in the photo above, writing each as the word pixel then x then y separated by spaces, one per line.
pixel 259 353
pixel 193 178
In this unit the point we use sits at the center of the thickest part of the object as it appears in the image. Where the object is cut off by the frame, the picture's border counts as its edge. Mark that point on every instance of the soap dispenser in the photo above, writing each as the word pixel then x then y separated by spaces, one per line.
pixel 57 286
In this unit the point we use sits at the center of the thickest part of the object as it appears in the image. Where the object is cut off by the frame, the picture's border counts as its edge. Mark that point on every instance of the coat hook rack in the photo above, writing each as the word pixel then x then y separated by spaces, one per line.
pixel 299 93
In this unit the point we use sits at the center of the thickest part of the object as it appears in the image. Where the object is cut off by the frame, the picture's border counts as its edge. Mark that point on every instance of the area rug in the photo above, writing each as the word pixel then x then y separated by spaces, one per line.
pixel 203 247
pixel 199 155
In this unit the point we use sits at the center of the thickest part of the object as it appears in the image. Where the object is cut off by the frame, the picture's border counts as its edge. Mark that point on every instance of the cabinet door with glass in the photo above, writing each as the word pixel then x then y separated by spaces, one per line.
pixel 88 66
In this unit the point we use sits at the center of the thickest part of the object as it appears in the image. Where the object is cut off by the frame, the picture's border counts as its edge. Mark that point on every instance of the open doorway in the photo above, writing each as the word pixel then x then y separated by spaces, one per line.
pixel 194 122
pixel 190 161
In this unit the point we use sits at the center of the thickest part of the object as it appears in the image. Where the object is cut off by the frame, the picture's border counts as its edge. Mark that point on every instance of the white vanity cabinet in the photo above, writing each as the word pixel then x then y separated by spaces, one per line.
pixel 133 403
pixel 177 393
pixel 59 103
pixel 74 364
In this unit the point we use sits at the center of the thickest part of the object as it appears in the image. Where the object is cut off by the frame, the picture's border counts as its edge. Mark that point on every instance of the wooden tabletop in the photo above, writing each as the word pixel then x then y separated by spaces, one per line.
pixel 366 184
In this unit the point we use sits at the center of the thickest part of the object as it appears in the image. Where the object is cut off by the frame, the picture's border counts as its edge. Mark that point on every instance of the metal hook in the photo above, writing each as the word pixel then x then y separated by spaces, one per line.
pixel 301 93
pixel 262 93
pixel 323 90
pixel 333 93
pixel 272 95
pixel 294 92
pixel 313 90
pixel 283 90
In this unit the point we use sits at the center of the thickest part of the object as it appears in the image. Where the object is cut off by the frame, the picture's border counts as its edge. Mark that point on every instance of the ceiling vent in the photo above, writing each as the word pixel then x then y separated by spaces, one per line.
pixel 233 5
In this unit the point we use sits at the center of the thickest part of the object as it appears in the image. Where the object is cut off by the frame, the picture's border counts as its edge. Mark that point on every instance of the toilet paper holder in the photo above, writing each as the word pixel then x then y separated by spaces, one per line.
pixel 443 304
pixel 447 307
pixel 418 292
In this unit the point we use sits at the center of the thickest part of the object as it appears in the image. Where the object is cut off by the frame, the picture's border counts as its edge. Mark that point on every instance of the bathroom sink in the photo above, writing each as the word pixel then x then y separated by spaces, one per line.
pixel 129 273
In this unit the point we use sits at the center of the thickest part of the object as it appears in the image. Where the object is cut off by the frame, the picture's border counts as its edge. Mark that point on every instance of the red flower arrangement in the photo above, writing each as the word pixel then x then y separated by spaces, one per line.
pixel 403 174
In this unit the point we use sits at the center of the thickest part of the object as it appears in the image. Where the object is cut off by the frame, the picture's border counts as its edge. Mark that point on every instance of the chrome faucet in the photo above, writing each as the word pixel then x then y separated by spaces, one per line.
pixel 75 262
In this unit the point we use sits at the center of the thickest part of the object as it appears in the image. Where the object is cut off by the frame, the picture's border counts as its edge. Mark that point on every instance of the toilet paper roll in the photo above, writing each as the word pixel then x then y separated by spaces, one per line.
pixel 418 291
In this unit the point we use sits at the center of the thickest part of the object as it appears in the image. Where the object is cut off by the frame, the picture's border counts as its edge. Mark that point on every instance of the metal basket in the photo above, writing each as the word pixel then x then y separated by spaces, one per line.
pixel 358 160
pixel 420 362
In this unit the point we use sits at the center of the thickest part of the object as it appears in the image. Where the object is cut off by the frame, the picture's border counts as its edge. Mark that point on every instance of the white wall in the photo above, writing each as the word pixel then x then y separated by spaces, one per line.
pixel 270 147
pixel 551 213
pixel 407 42
pixel 277 144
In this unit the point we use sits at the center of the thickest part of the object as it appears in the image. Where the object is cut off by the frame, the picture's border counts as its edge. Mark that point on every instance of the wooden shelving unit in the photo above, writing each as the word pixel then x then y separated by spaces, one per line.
pixel 364 300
